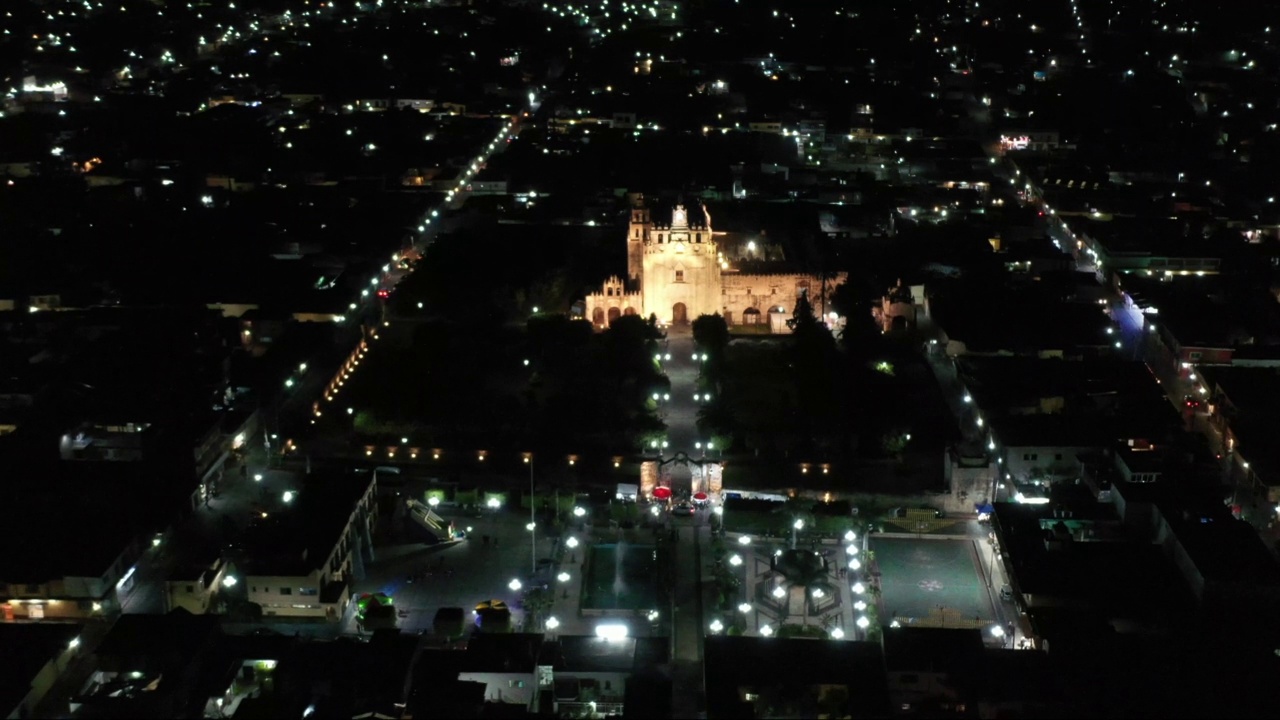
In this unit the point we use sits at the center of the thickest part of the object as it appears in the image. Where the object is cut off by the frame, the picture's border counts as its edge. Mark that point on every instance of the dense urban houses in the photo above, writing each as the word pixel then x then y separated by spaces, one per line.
pixel 656 359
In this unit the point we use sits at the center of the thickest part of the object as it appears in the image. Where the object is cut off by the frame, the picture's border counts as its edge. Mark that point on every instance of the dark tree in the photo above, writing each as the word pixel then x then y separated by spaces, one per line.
pixel 711 332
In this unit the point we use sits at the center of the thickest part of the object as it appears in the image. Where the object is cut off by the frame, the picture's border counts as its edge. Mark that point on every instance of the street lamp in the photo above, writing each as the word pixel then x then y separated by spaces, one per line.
pixel 433 501
pixel 744 539
pixel 744 608
pixel 766 631
pixel 552 623
pixel 837 634
pixel 716 625
pixel 779 593
pixel 229 581
pixel 494 503
pixel 735 560
pixel 863 622
pixel 533 535
pixel 850 536
pixel 858 588
pixel 515 585
pixel 563 577
pixel 571 543
pixel 257 477
pixel 579 511
pixel 287 497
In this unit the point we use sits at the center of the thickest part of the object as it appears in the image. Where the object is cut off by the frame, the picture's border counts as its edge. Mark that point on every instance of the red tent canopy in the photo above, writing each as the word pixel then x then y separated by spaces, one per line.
pixel 662 493
pixel 700 496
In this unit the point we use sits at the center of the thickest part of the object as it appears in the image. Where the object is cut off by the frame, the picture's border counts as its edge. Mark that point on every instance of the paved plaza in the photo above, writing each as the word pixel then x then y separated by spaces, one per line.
pixel 459 574
pixel 932 582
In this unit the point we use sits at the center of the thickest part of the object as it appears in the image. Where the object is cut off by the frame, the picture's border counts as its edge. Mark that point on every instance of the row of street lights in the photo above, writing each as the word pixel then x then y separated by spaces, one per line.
pixel 427 218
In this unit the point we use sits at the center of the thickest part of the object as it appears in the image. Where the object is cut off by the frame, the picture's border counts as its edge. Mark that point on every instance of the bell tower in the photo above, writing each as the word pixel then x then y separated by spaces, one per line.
pixel 637 234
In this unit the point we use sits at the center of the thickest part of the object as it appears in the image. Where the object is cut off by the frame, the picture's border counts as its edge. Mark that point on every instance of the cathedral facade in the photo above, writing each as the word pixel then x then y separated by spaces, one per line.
pixel 678 271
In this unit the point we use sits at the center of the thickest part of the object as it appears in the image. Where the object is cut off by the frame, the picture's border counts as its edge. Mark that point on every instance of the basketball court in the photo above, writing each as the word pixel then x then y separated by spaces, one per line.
pixel 932 583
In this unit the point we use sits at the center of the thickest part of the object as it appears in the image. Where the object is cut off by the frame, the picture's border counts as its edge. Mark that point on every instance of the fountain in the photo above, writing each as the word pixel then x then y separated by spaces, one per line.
pixel 802 575
pixel 617 572
pixel 633 585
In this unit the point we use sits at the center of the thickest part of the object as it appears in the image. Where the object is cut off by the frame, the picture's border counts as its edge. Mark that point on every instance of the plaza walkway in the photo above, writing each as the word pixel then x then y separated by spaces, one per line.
pixel 681 416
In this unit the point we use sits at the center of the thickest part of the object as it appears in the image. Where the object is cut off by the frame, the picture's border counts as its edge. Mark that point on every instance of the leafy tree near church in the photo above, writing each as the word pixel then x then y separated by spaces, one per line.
pixel 711 332
pixel 814 362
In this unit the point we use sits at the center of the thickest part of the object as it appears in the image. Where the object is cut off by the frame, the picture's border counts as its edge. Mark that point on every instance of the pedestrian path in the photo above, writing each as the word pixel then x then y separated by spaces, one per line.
pixel 687 678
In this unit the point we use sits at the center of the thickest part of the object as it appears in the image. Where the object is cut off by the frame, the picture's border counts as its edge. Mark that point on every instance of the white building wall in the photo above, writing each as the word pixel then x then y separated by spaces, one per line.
pixel 1035 462
pixel 513 688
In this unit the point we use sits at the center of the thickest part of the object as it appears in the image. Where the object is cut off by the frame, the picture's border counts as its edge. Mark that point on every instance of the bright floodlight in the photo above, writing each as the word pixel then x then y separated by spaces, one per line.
pixel 433 501
pixel 494 503
pixel 798 524
pixel 997 631
pixel 515 585
pixel 860 605
pixel 818 593
pixel 229 581
pixel 257 477
pixel 611 632
pixel 850 536
pixel 854 564
pixel 859 588
pixel 716 625
pixel 744 608
pixel 744 540
pixel 552 623
pixel 863 622
pixel 288 496
pixel 837 634
pixel 571 542
pixel 735 560
pixel 779 593
pixel 579 511
pixel 563 577
pixel 766 631
pixel 530 526
pixel 852 549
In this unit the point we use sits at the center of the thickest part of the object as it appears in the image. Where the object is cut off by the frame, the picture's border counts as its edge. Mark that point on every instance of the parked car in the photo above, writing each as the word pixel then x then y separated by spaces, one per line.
pixel 683 508
pixel 1006 593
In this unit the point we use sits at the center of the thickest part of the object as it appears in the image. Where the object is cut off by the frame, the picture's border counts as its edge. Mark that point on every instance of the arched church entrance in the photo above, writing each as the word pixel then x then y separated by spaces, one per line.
pixel 750 316
pixel 614 314
pixel 597 317
pixel 628 310
pixel 679 314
